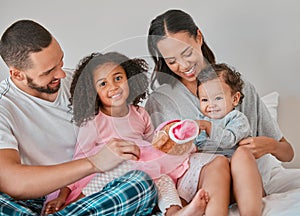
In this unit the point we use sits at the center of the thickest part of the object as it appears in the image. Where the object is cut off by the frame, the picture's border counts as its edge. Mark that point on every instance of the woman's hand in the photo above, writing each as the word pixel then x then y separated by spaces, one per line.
pixel 113 153
pixel 259 146
pixel 262 145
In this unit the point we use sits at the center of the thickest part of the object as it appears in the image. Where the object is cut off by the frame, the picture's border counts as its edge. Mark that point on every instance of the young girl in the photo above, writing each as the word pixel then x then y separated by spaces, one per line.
pixel 105 91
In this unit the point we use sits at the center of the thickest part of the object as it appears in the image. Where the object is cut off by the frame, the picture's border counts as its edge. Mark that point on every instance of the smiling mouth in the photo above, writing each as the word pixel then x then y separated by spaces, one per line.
pixel 213 112
pixel 55 82
pixel 116 95
pixel 191 71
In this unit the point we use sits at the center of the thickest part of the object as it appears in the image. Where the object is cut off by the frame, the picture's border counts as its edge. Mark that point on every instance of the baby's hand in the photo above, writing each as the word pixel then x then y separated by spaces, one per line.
pixel 54 205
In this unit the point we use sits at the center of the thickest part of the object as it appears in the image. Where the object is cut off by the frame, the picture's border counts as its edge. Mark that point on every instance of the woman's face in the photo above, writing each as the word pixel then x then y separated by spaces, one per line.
pixel 111 84
pixel 183 55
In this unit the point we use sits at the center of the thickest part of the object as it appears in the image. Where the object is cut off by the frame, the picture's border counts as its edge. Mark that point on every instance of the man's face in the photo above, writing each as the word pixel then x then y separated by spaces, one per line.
pixel 49 89
pixel 46 73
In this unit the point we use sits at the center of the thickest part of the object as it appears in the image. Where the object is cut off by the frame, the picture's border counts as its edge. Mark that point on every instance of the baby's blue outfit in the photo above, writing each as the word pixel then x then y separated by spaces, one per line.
pixel 225 133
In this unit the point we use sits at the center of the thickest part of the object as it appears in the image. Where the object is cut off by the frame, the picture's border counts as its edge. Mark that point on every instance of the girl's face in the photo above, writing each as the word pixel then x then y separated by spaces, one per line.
pixel 216 99
pixel 110 82
pixel 183 55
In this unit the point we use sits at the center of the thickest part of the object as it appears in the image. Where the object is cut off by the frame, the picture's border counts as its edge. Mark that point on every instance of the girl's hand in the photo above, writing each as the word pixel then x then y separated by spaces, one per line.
pixel 160 139
pixel 259 146
pixel 54 205
pixel 113 153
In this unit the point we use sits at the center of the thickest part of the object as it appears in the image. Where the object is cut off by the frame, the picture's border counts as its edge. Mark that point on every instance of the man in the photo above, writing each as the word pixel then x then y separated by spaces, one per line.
pixel 37 137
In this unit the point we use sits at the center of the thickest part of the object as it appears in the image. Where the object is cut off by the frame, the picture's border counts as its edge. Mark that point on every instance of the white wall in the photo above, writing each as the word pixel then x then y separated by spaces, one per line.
pixel 260 38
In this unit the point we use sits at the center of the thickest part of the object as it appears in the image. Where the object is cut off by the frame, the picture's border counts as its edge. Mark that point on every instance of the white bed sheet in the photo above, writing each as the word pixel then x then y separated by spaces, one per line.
pixel 279 204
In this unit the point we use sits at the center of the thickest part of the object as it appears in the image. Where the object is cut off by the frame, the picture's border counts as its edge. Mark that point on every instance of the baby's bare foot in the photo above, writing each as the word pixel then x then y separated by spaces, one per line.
pixel 197 206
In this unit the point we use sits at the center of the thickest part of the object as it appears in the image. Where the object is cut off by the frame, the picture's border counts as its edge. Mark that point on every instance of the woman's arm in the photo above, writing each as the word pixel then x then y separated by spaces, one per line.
pixel 266 134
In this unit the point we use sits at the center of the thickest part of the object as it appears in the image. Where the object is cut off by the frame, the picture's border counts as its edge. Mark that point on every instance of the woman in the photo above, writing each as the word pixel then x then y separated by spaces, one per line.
pixel 179 51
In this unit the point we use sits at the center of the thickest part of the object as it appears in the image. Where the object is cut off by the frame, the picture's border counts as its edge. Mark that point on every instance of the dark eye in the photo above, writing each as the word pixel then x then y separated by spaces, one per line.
pixel 102 84
pixel 118 78
pixel 204 100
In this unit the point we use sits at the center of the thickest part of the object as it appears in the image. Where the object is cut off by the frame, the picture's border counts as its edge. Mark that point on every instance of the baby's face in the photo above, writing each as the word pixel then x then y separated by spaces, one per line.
pixel 216 99
pixel 111 84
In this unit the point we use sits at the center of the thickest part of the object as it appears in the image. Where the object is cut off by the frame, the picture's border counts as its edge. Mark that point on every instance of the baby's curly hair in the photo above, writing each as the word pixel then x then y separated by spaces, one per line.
pixel 230 76
pixel 84 98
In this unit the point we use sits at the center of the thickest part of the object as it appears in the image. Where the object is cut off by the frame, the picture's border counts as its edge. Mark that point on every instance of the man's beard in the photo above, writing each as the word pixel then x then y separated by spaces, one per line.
pixel 42 89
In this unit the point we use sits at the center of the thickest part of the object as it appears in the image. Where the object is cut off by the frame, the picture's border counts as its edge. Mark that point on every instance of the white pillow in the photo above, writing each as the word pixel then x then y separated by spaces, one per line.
pixel 268 162
pixel 271 100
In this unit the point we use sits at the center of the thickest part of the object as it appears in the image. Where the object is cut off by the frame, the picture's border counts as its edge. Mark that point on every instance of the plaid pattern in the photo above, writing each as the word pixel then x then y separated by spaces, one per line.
pixel 11 207
pixel 132 194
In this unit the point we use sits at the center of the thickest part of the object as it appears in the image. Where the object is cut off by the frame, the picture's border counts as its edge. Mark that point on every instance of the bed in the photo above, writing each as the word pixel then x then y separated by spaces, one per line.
pixel 285 180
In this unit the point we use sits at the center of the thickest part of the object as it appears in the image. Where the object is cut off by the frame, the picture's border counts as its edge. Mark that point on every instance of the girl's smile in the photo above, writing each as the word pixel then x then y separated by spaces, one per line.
pixel 116 96
pixel 111 84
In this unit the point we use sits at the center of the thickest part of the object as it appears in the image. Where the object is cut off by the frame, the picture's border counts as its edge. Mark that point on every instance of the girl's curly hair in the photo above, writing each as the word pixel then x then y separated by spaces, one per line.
pixel 84 98
pixel 230 76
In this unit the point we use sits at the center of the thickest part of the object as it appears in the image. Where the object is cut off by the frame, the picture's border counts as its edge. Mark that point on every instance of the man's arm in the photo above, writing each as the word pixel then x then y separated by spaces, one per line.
pixel 25 182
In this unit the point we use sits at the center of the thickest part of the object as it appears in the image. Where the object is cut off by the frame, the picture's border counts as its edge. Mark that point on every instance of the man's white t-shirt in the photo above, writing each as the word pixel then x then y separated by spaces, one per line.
pixel 40 130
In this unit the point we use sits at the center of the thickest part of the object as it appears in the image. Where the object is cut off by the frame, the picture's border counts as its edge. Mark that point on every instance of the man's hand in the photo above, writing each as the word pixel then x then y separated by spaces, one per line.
pixel 113 153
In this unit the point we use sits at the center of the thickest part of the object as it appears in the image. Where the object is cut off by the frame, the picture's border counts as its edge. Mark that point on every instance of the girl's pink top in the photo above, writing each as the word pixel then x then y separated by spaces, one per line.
pixel 137 127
